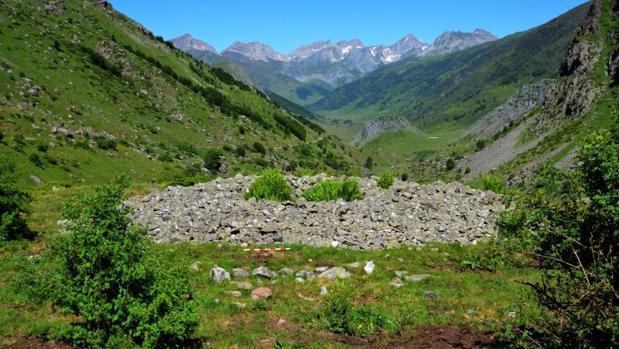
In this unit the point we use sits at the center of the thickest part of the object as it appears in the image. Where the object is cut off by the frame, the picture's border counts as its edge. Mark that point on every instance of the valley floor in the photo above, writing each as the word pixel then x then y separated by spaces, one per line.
pixel 456 305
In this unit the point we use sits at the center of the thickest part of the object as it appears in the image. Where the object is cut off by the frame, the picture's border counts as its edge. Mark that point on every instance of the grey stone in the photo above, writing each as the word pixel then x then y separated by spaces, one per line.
pixel 244 285
pixel 335 273
pixel 416 277
pixel 240 273
pixel 397 282
pixel 323 290
pixel 264 272
pixel 400 273
pixel 369 267
pixel 219 274
pixel 306 274
pixel 286 271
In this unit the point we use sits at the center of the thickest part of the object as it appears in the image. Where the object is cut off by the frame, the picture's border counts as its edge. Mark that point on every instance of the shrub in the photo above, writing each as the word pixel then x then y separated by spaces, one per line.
pixel 386 180
pixel 404 177
pixel 571 222
pixel 332 190
pixel 105 143
pixel 212 159
pixel 13 205
pixel 270 185
pixel 491 182
pixel 369 163
pixel 339 315
pixel 259 148
pixel 104 276
pixel 450 164
pixel 36 159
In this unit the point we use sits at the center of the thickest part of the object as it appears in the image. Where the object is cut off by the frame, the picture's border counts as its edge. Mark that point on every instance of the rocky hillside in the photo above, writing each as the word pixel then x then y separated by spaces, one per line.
pixel 406 213
pixel 546 120
pixel 322 65
pixel 87 93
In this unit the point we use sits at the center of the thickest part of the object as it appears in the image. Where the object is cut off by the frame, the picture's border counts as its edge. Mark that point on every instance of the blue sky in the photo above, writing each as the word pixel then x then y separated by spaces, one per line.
pixel 287 24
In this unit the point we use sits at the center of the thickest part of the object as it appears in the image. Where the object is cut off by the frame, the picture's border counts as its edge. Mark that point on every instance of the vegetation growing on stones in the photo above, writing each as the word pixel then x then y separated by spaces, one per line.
pixel 270 185
pixel 328 190
pixel 386 180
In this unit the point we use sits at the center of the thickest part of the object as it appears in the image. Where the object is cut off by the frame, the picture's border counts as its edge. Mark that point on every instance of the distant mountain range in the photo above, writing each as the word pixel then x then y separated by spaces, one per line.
pixel 312 70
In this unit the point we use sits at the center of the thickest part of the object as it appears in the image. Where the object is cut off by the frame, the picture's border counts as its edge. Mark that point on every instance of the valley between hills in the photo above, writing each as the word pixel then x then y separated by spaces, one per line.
pixel 156 193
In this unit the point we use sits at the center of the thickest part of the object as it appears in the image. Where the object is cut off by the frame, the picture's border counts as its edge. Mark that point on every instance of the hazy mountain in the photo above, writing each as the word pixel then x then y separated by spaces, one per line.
pixel 460 86
pixel 323 65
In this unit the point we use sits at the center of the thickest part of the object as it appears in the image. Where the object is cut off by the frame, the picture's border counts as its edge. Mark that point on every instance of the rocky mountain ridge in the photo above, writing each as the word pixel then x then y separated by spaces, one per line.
pixel 323 62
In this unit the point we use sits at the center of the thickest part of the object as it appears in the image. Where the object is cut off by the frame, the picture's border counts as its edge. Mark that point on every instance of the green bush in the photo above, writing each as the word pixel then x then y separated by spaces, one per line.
pixel 212 159
pixel 270 185
pixel 36 159
pixel 104 276
pixel 571 223
pixel 259 148
pixel 339 315
pixel 105 143
pixel 491 182
pixel 332 190
pixel 450 164
pixel 13 205
pixel 385 180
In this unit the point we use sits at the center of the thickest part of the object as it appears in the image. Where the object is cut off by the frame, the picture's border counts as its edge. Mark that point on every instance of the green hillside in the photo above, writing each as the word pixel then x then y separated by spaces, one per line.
pixel 87 94
pixel 461 86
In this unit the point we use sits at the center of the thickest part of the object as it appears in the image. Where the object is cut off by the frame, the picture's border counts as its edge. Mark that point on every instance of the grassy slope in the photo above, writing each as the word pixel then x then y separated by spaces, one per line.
pixel 461 86
pixel 144 94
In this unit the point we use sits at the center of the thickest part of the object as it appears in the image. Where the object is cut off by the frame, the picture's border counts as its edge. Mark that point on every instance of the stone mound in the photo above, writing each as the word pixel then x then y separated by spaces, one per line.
pixel 407 213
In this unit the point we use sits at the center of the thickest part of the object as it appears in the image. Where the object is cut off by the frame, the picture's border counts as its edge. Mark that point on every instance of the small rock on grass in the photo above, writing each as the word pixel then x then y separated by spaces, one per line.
pixel 220 274
pixel 353 265
pixel 244 285
pixel 261 293
pixel 323 290
pixel 369 267
pixel 417 277
pixel 396 282
pixel 196 266
pixel 264 272
pixel 240 273
pixel 335 273
pixel 306 274
pixel 234 293
pixel 286 271
pixel 400 273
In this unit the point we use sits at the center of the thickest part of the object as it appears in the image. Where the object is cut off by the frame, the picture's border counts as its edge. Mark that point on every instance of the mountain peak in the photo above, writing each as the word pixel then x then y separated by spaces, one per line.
pixel 187 42
pixel 451 41
pixel 254 50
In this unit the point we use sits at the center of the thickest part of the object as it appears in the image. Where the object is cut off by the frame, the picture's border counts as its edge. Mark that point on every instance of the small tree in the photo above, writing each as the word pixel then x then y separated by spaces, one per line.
pixel 573 224
pixel 13 205
pixel 212 159
pixel 104 276
pixel 369 163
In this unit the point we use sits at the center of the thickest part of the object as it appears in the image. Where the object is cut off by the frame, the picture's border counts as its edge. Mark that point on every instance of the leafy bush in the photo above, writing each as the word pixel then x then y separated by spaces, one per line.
pixel 386 180
pixel 332 190
pixel 259 148
pixel 13 205
pixel 212 159
pixel 491 182
pixel 270 185
pixel 105 143
pixel 340 316
pixel 450 164
pixel 104 276
pixel 369 163
pixel 572 226
pixel 36 159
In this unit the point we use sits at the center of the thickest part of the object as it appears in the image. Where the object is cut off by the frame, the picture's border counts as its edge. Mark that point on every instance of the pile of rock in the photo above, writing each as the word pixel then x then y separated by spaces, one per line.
pixel 406 213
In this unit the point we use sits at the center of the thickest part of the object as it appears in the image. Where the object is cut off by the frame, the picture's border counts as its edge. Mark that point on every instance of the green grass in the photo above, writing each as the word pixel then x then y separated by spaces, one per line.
pixel 163 111
pixel 491 295
pixel 329 190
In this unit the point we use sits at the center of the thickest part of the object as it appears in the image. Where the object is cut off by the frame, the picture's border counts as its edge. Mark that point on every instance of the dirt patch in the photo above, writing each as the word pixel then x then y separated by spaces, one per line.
pixel 427 337
pixel 36 343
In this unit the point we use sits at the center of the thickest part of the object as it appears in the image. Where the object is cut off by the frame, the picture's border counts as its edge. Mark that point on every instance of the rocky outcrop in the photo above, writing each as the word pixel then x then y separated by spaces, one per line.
pixel 375 127
pixel 407 213
pixel 518 105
